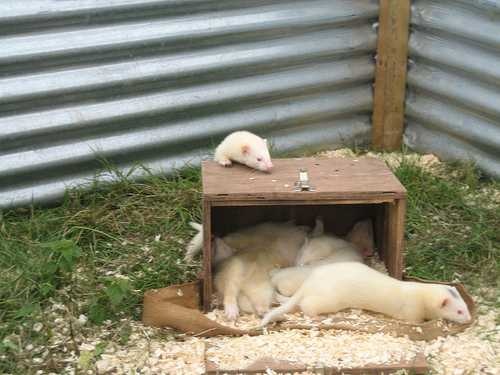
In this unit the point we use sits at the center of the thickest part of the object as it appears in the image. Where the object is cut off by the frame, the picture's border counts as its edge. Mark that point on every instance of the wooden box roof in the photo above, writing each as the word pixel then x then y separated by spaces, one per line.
pixel 333 179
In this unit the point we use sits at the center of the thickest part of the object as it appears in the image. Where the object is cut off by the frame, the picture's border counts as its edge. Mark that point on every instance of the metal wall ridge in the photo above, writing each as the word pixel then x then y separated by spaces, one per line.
pixel 45 9
pixel 455 121
pixel 260 56
pixel 311 77
pixel 477 96
pixel 454 18
pixel 457 54
pixel 182 29
pixel 425 140
pixel 352 130
pixel 174 135
pixel 160 82
pixel 453 93
pixel 35 11
pixel 487 5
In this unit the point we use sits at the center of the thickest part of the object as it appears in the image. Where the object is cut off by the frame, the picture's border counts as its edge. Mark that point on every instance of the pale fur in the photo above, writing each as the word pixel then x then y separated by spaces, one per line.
pixel 253 237
pixel 246 273
pixel 288 280
pixel 319 250
pixel 361 235
pixel 196 243
pixel 245 148
pixel 327 248
pixel 334 287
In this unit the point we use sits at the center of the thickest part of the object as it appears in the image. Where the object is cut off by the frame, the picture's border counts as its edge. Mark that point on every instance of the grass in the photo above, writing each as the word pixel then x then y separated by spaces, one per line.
pixel 451 233
pixel 96 253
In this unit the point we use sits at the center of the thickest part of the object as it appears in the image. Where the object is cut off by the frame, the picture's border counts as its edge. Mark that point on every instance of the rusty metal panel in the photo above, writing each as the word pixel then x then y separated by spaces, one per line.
pixel 160 82
pixel 452 105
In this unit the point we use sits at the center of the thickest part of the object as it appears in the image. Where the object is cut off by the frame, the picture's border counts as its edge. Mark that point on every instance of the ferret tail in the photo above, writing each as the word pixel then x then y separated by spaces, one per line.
pixel 283 309
pixel 281 298
pixel 196 243
pixel 196 226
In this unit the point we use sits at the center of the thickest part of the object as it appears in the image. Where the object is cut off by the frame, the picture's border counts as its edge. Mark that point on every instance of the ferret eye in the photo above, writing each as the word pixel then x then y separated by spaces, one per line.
pixel 259 159
pixel 460 312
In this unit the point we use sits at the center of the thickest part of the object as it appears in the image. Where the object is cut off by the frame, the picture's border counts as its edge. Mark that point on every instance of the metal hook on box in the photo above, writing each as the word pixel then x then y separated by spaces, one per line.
pixel 303 183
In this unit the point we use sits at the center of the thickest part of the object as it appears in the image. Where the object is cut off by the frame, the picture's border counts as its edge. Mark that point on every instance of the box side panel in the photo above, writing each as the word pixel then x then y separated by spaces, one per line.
pixel 338 219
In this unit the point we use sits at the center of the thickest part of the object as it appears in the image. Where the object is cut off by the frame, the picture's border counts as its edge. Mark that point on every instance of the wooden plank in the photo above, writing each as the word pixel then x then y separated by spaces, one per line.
pixel 417 366
pixel 390 74
pixel 334 178
pixel 207 256
pixel 381 231
pixel 395 237
pixel 316 199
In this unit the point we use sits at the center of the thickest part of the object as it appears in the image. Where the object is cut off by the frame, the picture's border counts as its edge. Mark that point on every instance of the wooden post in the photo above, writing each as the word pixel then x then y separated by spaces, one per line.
pixel 395 238
pixel 390 74
pixel 207 256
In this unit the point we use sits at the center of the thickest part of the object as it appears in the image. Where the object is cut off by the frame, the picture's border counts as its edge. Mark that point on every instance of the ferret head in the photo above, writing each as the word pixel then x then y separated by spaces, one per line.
pixel 313 250
pixel 452 307
pixel 256 155
pixel 222 251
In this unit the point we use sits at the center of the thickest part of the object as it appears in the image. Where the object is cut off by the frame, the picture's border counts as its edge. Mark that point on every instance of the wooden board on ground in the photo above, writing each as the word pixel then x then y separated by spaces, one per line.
pixel 416 366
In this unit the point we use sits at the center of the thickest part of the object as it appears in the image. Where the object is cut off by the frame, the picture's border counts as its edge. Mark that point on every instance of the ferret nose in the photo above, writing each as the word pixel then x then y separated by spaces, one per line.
pixel 269 165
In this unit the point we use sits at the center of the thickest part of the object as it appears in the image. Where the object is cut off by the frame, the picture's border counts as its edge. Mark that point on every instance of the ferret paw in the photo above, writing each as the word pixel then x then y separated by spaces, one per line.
pixel 225 162
pixel 231 311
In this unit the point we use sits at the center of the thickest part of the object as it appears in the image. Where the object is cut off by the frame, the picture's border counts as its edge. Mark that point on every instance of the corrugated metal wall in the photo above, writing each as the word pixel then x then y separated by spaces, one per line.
pixel 161 81
pixel 453 98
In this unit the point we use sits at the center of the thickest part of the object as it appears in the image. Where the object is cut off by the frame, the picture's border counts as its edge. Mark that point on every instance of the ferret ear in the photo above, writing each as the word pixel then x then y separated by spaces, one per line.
pixel 306 241
pixel 319 228
pixel 444 302
pixel 265 141
pixel 245 149
pixel 222 247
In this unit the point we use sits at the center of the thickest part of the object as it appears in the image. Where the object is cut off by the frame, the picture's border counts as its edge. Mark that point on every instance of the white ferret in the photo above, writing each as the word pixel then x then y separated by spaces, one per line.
pixel 319 250
pixel 327 248
pixel 243 280
pixel 253 237
pixel 334 287
pixel 245 148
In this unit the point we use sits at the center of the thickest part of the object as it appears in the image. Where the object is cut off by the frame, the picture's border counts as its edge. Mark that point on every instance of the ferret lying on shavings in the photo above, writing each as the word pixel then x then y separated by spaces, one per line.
pixel 253 237
pixel 244 279
pixel 250 321
pixel 337 286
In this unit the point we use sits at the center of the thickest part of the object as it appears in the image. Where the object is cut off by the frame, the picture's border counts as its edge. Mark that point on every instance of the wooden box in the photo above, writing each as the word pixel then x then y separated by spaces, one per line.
pixel 345 191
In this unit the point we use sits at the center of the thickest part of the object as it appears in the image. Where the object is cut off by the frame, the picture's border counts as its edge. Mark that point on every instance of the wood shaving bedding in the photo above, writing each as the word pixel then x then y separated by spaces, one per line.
pixel 155 357
pixel 315 348
pixel 474 351
pixel 352 317
pixel 148 351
